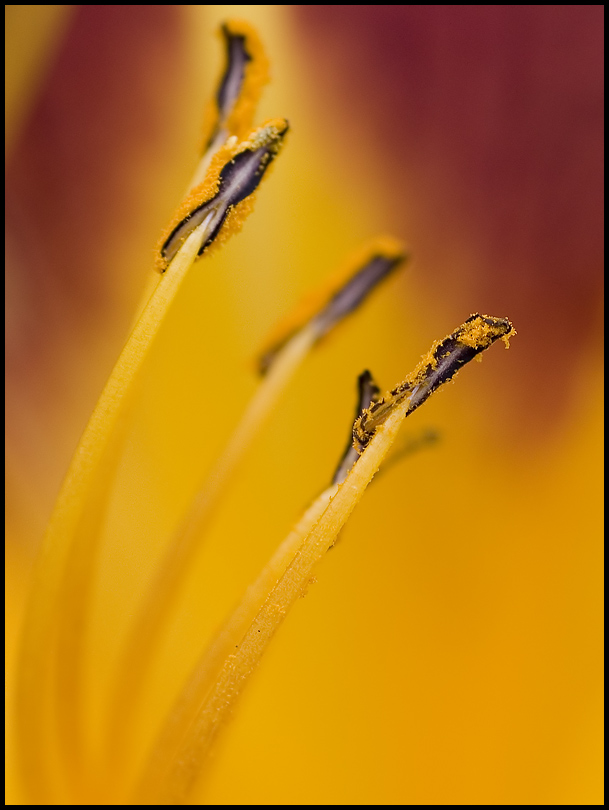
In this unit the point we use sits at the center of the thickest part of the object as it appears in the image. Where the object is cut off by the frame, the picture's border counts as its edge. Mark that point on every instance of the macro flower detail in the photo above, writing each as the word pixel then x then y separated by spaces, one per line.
pixel 219 678
pixel 316 316
pixel 438 366
pixel 52 684
pixel 55 628
pixel 230 113
pixel 368 393
pixel 233 107
pixel 217 207
pixel 324 308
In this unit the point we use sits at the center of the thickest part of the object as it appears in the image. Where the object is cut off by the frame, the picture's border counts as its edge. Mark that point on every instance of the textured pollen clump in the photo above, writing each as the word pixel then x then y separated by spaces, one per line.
pixel 223 200
pixel 368 393
pixel 440 364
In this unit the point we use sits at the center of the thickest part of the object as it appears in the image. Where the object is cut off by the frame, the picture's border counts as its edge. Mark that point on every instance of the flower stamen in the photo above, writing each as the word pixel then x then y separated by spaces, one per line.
pixel 339 296
pixel 56 619
pixel 246 72
pixel 64 568
pixel 372 264
pixel 368 394
pixel 222 199
pixel 208 698
pixel 231 111
pixel 438 366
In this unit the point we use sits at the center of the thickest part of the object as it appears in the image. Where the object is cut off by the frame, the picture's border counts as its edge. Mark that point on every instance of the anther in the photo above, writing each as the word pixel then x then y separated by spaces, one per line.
pixel 437 367
pixel 234 175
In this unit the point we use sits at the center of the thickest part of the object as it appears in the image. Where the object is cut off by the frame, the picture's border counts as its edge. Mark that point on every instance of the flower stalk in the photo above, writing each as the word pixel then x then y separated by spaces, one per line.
pixel 69 547
pixel 358 278
pixel 60 596
pixel 51 680
pixel 178 759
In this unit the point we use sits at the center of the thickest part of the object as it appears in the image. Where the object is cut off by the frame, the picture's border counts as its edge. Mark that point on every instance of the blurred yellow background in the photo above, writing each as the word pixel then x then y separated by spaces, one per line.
pixel 451 652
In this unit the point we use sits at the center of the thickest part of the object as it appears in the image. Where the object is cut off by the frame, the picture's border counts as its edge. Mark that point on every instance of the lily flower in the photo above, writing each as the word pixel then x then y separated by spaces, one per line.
pixel 450 653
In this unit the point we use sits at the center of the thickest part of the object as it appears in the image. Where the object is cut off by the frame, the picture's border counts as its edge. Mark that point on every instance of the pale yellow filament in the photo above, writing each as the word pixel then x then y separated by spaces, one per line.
pixel 211 693
pixel 230 636
pixel 156 609
pixel 69 549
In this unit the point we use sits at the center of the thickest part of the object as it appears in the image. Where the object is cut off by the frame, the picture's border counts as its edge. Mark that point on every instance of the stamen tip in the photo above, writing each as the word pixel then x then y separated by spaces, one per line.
pixel 437 367
pixel 340 295
pixel 221 203
pixel 368 393
pixel 479 331
pixel 231 112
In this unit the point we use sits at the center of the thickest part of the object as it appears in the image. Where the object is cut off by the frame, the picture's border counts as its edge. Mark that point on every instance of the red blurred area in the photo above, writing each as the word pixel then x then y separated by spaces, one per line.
pixel 486 124
pixel 82 217
pixel 482 126
pixel 69 194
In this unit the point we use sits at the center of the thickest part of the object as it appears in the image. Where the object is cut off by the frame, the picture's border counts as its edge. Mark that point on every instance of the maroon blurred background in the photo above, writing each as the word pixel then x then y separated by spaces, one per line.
pixel 491 119
pixel 483 124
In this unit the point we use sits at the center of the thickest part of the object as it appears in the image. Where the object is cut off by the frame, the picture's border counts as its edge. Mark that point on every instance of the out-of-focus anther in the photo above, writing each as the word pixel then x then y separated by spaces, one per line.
pixel 368 393
pixel 325 307
pixel 231 112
